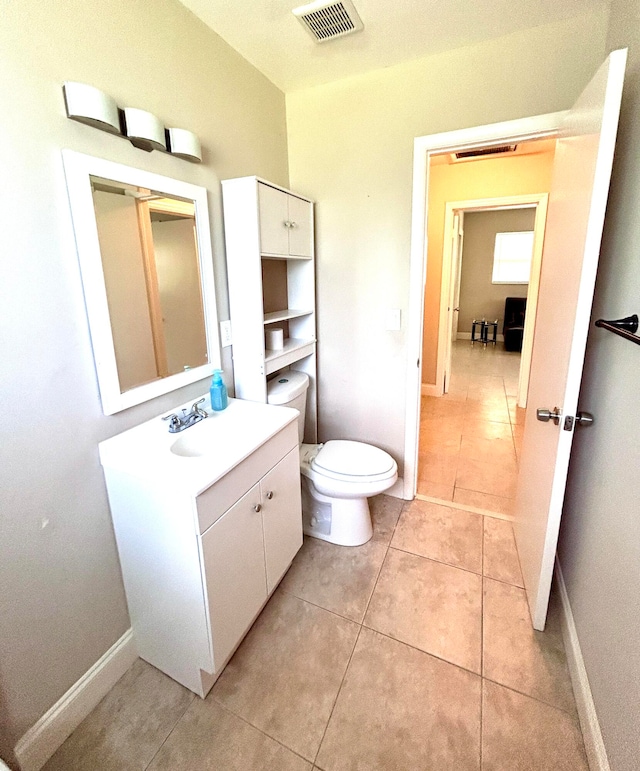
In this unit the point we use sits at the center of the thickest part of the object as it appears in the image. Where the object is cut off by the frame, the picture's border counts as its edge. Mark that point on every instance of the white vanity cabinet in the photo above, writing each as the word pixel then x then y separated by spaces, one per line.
pixel 271 270
pixel 203 538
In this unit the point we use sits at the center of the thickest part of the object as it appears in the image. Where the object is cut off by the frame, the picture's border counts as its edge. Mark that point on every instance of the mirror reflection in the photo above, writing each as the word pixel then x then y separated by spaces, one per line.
pixel 150 261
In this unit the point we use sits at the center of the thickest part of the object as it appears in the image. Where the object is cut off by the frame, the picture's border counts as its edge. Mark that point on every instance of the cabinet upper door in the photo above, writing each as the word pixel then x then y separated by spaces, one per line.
pixel 274 219
pixel 300 227
pixel 234 573
pixel 281 516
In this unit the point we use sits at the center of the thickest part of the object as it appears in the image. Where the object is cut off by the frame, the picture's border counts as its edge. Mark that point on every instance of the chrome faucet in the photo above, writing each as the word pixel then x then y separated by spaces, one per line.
pixel 180 422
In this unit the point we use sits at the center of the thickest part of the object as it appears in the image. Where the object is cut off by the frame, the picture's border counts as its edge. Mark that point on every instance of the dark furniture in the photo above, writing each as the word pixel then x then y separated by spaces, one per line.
pixel 513 330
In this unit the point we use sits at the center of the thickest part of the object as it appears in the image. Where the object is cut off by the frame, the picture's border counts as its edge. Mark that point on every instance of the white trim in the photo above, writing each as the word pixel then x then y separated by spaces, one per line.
pixel 593 742
pixel 535 127
pixel 57 724
pixel 537 200
pixel 78 169
pixel 427 389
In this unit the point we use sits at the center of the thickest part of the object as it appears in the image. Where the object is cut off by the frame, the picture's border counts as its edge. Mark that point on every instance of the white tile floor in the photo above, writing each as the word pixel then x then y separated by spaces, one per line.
pixel 412 652
pixel 470 438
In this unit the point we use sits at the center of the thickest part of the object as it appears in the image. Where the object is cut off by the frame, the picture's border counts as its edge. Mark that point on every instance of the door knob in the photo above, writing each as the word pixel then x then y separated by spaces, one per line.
pixel 584 418
pixel 546 415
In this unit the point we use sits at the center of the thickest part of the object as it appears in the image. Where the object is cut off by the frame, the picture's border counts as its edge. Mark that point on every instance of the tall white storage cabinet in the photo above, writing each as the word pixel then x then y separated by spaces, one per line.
pixel 271 271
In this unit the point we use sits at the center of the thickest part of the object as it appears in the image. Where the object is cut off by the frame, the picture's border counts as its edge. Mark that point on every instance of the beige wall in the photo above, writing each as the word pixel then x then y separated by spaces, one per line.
pixel 62 603
pixel 176 255
pixel 351 148
pixel 486 178
pixel 600 535
pixel 479 297
pixel 124 278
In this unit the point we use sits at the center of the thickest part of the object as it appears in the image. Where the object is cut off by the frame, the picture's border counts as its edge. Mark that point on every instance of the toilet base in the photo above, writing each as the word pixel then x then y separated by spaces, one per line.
pixel 343 521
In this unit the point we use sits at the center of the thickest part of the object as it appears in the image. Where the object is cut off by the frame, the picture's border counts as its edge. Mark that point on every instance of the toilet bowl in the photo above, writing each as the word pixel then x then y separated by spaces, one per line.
pixel 337 477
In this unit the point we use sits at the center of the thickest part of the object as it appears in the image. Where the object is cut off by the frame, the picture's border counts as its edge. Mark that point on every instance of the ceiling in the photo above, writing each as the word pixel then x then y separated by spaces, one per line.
pixel 267 34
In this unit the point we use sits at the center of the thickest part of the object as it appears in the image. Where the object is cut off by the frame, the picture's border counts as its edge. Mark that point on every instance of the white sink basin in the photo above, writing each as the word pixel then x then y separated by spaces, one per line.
pixel 200 455
pixel 202 439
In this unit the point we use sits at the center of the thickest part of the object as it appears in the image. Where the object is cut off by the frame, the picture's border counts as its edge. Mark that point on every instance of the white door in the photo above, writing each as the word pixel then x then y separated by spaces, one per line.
pixel 454 292
pixel 577 202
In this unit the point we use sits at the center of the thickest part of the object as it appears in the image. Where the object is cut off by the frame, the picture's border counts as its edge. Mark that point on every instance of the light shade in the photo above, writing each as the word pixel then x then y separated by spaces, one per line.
pixel 89 105
pixel 185 144
pixel 144 130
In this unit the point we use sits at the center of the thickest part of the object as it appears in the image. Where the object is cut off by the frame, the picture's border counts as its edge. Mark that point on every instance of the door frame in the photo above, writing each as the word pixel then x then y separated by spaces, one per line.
pixel 539 202
pixel 534 127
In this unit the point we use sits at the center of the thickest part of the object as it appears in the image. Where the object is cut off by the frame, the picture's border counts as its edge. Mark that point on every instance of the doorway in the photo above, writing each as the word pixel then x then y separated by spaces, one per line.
pixel 539 127
pixel 487 292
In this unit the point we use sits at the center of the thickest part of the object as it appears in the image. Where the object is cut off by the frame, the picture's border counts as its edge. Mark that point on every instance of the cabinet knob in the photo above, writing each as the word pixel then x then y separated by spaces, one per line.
pixel 287 224
pixel 257 507
pixel 293 224
pixel 269 495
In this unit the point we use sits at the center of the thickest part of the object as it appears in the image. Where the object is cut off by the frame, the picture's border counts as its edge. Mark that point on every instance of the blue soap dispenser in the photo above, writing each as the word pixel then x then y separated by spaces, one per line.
pixel 218 392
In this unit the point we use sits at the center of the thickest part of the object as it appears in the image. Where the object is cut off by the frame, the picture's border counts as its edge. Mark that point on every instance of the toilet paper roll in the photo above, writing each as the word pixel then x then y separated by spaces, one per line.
pixel 274 339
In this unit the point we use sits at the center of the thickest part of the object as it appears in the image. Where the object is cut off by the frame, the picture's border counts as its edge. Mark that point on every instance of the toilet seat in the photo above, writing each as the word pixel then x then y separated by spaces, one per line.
pixel 342 460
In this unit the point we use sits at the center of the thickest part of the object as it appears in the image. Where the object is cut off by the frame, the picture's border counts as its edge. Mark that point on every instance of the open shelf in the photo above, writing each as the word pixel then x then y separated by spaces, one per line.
pixel 287 313
pixel 294 349
pixel 266 256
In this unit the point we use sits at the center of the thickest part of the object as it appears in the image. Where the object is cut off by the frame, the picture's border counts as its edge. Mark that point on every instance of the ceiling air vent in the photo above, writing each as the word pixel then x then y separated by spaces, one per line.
pixel 465 154
pixel 328 20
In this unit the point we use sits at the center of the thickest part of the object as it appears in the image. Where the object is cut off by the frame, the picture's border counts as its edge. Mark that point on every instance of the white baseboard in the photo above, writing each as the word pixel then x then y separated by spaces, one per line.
pixel 426 389
pixel 593 742
pixel 43 739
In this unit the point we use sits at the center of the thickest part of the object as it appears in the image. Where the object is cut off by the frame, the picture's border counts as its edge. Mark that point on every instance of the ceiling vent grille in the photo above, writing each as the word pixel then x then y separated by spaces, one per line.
pixel 328 20
pixel 465 154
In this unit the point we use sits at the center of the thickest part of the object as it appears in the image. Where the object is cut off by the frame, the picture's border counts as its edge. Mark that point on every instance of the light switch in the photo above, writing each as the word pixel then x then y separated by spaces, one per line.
pixel 393 323
pixel 225 333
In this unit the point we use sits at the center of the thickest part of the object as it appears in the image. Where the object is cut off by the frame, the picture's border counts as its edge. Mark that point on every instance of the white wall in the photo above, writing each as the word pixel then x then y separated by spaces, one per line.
pixel 351 147
pixel 600 536
pixel 61 598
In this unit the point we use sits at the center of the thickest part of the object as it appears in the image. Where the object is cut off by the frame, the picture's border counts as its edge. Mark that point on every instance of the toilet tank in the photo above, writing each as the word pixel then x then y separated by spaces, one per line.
pixel 289 389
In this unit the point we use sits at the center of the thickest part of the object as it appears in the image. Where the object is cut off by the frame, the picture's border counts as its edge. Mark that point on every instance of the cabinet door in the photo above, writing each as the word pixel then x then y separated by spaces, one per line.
pixel 233 554
pixel 281 516
pixel 300 229
pixel 274 219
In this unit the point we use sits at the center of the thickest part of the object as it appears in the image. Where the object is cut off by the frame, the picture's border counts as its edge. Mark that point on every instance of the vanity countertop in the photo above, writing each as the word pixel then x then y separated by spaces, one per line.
pixel 194 459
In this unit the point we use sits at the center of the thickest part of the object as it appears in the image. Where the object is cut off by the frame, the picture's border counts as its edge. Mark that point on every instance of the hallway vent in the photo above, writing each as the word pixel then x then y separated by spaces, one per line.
pixel 466 154
pixel 328 20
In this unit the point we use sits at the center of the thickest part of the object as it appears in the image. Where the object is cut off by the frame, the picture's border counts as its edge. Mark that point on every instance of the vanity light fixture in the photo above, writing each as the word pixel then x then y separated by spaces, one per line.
pixel 144 130
pixel 93 107
pixel 185 144
pixel 89 105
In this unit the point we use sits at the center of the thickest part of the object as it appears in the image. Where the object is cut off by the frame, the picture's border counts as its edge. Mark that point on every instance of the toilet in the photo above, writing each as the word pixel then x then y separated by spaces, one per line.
pixel 337 476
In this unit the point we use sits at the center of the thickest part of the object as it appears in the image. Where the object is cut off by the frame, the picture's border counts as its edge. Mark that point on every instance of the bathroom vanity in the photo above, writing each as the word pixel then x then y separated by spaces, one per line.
pixel 207 522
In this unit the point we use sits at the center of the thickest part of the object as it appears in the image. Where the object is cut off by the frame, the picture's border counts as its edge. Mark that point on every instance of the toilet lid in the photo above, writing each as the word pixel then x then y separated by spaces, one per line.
pixel 357 459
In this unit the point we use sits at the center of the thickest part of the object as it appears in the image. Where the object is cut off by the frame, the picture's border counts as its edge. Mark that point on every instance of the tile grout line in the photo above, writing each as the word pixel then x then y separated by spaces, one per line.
pixel 360 628
pixel 173 728
pixel 260 730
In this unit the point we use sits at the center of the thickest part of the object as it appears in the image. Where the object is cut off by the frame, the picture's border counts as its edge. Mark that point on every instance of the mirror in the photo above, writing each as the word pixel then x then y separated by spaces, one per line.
pixel 144 249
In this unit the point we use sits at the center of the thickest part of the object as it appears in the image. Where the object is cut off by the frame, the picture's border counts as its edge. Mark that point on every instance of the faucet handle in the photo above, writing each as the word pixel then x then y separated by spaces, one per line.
pixel 174 422
pixel 196 410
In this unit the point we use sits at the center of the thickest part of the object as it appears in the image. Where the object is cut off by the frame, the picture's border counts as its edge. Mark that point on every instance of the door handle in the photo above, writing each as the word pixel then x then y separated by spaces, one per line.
pixel 584 418
pixel 546 415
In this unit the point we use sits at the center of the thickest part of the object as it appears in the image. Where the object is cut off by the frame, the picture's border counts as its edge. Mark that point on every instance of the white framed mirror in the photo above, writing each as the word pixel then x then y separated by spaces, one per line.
pixel 144 248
